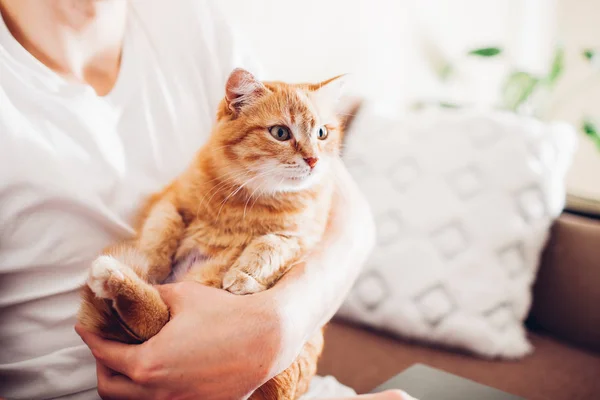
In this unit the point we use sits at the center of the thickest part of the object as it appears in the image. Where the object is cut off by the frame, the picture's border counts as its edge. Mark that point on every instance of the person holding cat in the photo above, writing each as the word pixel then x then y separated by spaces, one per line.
pixel 103 102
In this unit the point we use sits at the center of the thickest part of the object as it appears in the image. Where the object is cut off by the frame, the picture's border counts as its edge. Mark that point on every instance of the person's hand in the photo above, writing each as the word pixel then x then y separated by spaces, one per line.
pixel 387 395
pixel 216 346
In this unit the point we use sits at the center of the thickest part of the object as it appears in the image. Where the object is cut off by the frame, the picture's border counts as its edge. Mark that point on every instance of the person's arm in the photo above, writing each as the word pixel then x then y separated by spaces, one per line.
pixel 219 345
pixel 310 294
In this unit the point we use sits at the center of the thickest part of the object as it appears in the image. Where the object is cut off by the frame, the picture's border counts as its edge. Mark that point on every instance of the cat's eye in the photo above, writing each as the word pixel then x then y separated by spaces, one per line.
pixel 322 133
pixel 280 133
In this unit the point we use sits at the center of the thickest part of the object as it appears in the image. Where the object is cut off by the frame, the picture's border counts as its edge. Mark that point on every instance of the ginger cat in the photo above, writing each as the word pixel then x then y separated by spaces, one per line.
pixel 254 201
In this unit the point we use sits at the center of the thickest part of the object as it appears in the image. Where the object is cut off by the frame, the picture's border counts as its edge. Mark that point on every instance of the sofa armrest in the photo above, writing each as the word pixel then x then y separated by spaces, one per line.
pixel 566 294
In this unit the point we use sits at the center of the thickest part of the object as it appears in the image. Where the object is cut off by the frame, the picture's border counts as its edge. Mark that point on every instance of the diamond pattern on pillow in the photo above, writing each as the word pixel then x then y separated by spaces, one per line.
pixel 531 204
pixel 403 173
pixel 389 228
pixel 463 201
pixel 512 258
pixel 372 290
pixel 435 304
pixel 500 317
pixel 450 240
pixel 466 182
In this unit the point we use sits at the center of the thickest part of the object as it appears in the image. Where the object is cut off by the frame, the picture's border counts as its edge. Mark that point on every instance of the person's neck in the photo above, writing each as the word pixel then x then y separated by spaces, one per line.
pixel 80 40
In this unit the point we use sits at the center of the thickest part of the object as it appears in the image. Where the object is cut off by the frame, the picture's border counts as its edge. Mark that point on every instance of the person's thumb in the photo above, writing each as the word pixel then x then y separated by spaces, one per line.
pixel 171 295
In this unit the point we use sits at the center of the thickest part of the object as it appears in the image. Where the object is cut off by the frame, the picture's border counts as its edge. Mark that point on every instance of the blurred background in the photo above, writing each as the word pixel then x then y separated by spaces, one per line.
pixel 536 57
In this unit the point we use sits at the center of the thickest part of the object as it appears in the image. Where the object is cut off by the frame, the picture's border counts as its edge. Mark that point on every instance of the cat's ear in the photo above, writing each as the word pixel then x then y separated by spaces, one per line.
pixel 242 88
pixel 332 89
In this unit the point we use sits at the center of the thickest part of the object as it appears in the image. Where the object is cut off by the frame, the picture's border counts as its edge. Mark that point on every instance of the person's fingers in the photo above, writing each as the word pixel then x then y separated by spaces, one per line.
pixel 103 370
pixel 117 356
pixel 114 386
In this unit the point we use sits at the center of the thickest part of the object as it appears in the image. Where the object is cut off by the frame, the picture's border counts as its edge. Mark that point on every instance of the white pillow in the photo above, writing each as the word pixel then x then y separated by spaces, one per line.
pixel 463 202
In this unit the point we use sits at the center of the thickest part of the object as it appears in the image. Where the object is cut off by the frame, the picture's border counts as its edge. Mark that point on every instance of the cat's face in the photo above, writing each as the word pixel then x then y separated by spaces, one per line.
pixel 276 136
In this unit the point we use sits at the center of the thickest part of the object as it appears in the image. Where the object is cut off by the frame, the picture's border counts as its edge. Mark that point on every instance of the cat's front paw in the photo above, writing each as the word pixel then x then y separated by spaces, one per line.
pixel 106 273
pixel 239 282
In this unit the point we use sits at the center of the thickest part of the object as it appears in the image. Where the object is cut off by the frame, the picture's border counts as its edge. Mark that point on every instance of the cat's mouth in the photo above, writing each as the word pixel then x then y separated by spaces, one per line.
pixel 287 178
pixel 301 179
pixel 300 175
pixel 298 178
pixel 290 182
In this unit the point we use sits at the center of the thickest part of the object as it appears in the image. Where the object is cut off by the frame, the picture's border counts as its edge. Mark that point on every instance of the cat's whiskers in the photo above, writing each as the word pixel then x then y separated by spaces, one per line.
pixel 228 183
pixel 221 177
pixel 230 178
pixel 257 197
pixel 278 185
pixel 273 191
pixel 250 198
pixel 233 193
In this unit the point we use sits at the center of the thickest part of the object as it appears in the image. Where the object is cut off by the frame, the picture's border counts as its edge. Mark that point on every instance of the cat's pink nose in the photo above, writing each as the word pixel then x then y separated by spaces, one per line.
pixel 311 161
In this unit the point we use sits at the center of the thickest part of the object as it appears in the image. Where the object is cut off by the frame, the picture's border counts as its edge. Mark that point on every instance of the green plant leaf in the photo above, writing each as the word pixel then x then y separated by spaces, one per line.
pixel 589 54
pixel 446 72
pixel 486 52
pixel 420 105
pixel 557 68
pixel 593 56
pixel 590 128
pixel 517 89
pixel 445 104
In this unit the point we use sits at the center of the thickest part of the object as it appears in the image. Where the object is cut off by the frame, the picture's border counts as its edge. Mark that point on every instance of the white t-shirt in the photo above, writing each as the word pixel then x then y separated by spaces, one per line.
pixel 74 167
